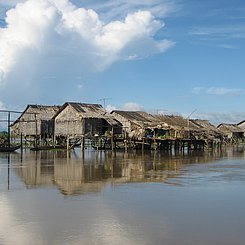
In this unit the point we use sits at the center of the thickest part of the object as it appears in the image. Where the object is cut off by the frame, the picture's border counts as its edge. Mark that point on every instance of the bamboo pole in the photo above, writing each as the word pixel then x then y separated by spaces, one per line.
pixel 8 129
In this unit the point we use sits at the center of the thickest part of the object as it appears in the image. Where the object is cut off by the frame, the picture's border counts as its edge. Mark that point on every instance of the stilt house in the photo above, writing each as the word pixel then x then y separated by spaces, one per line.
pixel 232 131
pixel 179 127
pixel 241 125
pixel 135 123
pixel 34 120
pixel 80 119
pixel 207 130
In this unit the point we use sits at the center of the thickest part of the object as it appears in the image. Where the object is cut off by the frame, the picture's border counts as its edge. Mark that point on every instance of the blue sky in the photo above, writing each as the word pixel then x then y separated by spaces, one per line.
pixel 188 55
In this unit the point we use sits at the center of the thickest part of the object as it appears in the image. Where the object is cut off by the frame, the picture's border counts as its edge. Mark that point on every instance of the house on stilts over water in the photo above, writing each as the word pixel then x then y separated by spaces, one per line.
pixel 81 120
pixel 233 132
pixel 158 131
pixel 34 124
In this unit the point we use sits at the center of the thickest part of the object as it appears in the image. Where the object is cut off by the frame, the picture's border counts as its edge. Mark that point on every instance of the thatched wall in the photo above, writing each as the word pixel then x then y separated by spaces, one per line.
pixel 77 119
pixel 29 123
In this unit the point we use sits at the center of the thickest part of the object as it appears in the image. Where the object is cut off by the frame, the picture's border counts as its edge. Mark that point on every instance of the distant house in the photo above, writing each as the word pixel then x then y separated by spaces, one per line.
pixel 232 131
pixel 207 130
pixel 33 121
pixel 180 126
pixel 80 119
pixel 135 123
pixel 241 125
pixel 140 124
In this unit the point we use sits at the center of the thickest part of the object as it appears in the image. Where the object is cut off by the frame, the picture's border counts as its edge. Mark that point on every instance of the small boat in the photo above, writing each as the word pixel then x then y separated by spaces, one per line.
pixel 9 148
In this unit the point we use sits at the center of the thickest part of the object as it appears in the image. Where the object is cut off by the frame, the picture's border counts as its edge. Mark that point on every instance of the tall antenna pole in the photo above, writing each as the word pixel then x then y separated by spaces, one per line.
pixel 104 101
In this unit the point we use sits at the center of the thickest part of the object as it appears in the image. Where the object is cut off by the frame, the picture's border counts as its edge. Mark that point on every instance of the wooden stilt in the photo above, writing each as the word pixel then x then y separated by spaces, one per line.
pixel 67 144
pixel 21 141
pixel 112 139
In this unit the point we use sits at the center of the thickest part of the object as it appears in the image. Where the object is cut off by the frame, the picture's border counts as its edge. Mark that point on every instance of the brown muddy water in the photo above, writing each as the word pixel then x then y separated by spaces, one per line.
pixel 122 198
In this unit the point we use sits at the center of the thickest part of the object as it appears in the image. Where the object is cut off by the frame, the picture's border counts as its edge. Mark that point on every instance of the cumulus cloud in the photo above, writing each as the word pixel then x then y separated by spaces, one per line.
pixel 54 38
pixel 128 106
pixel 132 106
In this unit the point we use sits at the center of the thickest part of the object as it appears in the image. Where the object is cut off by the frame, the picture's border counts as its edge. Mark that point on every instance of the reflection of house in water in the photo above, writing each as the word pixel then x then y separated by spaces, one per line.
pixel 37 170
pixel 74 175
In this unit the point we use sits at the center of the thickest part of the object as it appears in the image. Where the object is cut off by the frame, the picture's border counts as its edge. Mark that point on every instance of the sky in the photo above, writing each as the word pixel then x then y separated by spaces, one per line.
pixel 163 56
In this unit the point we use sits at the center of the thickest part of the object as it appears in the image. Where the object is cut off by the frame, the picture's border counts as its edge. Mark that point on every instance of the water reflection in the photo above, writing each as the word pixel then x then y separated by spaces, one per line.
pixel 75 173
pixel 122 198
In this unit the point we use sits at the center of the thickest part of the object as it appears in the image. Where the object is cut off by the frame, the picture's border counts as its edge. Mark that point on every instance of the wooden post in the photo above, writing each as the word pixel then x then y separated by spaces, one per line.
pixel 154 141
pixel 8 129
pixel 53 125
pixel 8 171
pixel 82 143
pixel 36 129
pixel 21 141
pixel 67 143
pixel 82 146
pixel 125 141
pixel 112 138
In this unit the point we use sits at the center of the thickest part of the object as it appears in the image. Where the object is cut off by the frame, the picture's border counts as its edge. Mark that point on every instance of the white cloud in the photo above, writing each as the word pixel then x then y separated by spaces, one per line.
pixel 110 108
pixel 111 9
pixel 218 91
pixel 54 38
pixel 220 117
pixel 11 2
pixel 132 106
pixel 228 46
pixel 197 90
pixel 224 91
pixel 235 31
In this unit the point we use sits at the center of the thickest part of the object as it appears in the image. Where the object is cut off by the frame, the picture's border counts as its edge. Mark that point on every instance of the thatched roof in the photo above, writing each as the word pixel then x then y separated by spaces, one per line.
pixel 85 110
pixel 144 119
pixel 240 122
pixel 140 118
pixel 205 125
pixel 42 112
pixel 231 128
pixel 137 116
pixel 177 122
